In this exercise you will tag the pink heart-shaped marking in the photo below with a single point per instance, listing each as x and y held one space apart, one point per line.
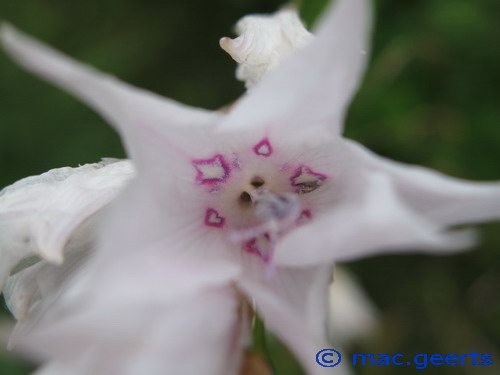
214 219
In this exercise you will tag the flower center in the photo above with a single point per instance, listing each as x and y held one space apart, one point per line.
254 196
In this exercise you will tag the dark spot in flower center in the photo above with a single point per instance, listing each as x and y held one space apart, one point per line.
245 198
257 182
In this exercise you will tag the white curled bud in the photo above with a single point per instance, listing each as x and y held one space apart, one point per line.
264 42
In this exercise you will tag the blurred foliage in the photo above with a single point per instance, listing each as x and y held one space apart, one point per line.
430 97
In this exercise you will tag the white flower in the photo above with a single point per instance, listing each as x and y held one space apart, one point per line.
252 205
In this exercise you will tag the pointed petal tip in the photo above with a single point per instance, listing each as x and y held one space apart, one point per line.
230 45
7 33
225 43
51 248
53 255
19 46
10 36
460 240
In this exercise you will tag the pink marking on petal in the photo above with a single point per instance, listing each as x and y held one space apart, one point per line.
252 247
214 219
306 180
304 217
236 164
212 171
263 148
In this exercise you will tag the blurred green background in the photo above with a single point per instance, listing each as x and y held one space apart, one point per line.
430 97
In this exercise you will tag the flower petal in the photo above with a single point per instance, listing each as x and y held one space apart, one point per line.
284 321
446 200
373 220
31 291
146 121
314 87
39 214
306 290
352 314
167 293
193 334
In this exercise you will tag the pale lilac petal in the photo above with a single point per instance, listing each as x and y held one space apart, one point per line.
374 220
31 291
137 223
145 262
39 214
147 122
170 298
287 324
282 320
314 87
444 199
81 366
306 291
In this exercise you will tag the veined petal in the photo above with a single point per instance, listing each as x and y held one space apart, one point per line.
39 214
373 220
31 291
147 122
166 290
314 87
444 199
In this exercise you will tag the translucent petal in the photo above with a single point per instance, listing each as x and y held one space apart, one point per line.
39 214
444 199
306 290
373 220
31 291
288 325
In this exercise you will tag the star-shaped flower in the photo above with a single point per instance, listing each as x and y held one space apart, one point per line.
250 205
